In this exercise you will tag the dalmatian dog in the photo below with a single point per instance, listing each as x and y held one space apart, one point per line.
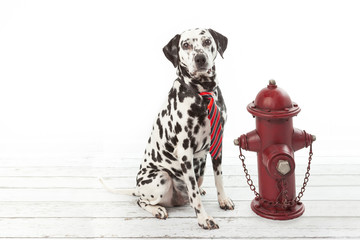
172 170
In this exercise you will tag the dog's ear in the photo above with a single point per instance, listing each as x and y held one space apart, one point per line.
171 50
221 41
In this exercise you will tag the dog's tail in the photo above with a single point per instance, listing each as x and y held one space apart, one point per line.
131 192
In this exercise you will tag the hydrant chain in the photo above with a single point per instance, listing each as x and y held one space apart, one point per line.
285 202
247 175
307 175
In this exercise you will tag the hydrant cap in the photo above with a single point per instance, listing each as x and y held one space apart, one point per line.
273 102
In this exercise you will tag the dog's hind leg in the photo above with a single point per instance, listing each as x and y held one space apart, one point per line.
156 192
156 210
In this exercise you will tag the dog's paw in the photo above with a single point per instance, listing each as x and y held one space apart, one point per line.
208 223
202 191
226 204
160 213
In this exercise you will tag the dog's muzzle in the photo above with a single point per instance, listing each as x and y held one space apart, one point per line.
200 61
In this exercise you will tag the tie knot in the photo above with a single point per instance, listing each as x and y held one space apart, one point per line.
207 94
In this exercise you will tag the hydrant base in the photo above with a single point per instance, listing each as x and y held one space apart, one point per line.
276 214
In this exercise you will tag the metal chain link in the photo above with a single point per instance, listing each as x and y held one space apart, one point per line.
285 202
307 176
247 175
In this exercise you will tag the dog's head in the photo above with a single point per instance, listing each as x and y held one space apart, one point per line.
196 50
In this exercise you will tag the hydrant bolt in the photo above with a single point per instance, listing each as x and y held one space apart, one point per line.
283 167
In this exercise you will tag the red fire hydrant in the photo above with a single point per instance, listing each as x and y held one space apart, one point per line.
275 141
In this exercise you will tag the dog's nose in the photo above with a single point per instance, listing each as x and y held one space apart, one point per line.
200 60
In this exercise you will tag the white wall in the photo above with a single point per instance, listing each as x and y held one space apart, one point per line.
78 77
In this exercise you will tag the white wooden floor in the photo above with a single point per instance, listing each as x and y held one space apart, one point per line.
60 197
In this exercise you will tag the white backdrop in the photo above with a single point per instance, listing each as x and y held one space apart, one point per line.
79 77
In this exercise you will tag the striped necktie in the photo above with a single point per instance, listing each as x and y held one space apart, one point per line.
215 123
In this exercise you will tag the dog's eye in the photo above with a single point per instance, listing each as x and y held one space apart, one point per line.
186 45
207 42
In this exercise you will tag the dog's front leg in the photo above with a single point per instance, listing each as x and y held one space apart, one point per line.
224 202
204 220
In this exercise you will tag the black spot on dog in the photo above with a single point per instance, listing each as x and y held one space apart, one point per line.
192 181
169 155
163 112
169 147
184 158
153 157
178 128
158 157
183 167
160 127
152 166
188 165
166 134
189 134
190 123
179 114
196 129
174 140
146 181
157 145
170 126
186 143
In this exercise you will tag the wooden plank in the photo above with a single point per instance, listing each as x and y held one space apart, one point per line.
346 193
128 182
179 228
101 160
58 171
131 209
162 238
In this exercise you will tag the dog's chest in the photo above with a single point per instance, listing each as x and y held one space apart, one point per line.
183 123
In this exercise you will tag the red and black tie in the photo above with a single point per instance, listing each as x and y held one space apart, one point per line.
215 123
